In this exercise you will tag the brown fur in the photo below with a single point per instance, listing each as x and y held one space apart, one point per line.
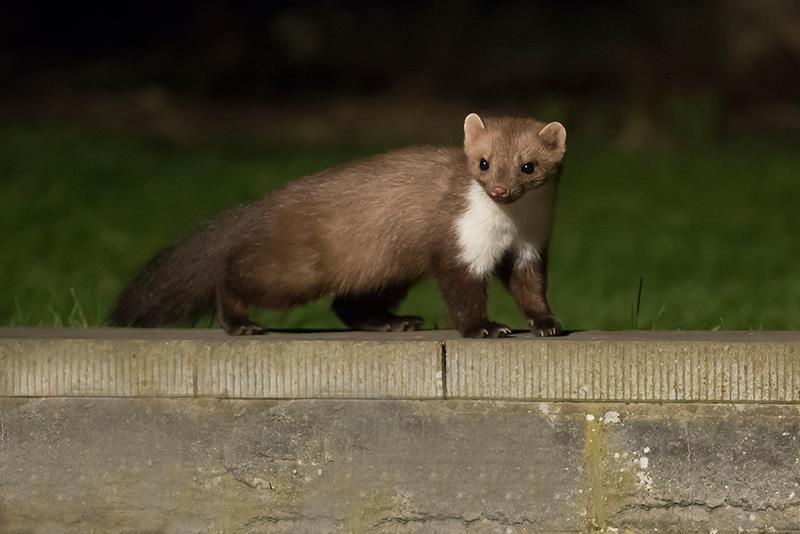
363 232
508 142
528 285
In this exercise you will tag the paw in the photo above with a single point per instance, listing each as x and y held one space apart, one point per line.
544 326
390 323
489 329
248 329
404 323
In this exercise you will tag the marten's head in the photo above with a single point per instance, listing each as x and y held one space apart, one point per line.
509 156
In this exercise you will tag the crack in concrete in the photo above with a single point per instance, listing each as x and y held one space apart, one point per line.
275 519
744 506
668 505
256 484
443 346
418 517
276 457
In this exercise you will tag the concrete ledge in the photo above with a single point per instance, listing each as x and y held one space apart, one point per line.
114 364
586 366
621 368
265 435
124 465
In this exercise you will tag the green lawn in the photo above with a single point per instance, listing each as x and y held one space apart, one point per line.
712 230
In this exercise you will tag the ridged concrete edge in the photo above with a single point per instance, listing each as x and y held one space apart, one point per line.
624 370
589 366
276 369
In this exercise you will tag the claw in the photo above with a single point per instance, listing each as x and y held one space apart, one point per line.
405 323
491 330
250 329
544 326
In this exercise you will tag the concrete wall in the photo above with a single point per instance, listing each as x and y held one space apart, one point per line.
132 431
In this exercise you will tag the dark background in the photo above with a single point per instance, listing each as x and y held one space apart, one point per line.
632 69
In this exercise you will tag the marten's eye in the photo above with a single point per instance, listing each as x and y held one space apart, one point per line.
527 168
483 164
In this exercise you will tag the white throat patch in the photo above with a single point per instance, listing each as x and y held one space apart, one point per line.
485 232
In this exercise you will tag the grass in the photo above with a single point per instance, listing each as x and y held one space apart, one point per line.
704 237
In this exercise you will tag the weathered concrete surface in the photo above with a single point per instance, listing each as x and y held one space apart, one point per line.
700 467
138 431
161 465
203 465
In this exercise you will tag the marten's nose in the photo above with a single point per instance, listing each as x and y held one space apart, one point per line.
498 191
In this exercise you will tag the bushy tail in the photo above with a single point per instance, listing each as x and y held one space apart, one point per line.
178 284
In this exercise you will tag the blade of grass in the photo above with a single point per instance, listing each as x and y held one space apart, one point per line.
636 308
658 316
76 315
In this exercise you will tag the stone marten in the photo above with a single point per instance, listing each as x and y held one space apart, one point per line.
366 231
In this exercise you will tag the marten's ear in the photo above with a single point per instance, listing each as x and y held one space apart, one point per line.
473 128
554 136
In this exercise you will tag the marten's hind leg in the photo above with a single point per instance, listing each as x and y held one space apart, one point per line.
232 314
372 311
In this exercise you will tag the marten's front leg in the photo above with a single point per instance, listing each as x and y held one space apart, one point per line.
526 278
465 296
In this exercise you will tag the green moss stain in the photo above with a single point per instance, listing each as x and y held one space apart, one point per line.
607 477
593 460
